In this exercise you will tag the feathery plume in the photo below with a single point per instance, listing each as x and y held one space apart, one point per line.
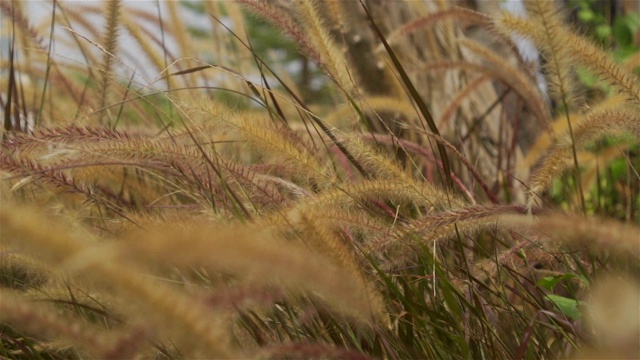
593 126
258 255
81 255
608 235
578 49
109 43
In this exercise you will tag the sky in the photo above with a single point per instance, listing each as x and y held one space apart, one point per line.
39 14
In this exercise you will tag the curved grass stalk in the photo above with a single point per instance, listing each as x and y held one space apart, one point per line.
190 323
606 234
580 50
592 126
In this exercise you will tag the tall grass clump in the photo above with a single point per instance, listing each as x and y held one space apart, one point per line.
342 179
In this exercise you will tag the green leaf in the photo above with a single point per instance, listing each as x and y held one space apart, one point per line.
623 31
586 15
586 76
549 282
619 168
603 32
566 306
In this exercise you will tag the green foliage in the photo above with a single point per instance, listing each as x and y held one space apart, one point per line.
619 33
620 30
566 306
550 282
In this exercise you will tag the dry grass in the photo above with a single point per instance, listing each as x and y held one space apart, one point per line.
422 202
